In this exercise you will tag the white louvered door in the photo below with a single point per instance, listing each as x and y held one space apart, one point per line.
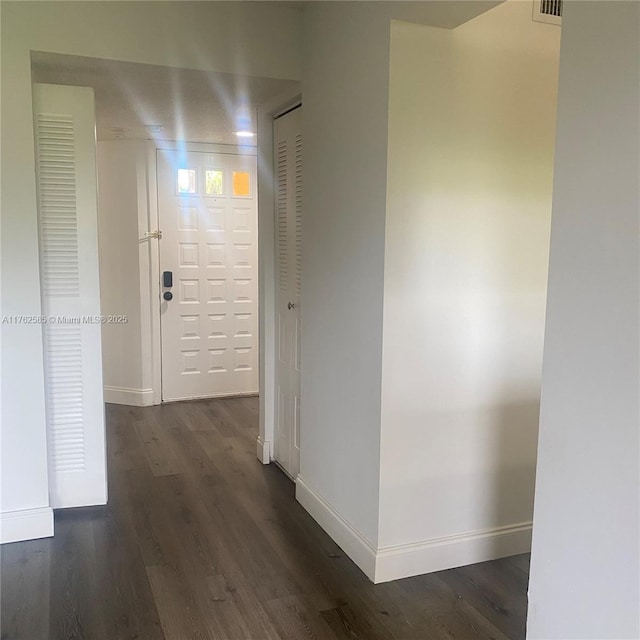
64 127
288 192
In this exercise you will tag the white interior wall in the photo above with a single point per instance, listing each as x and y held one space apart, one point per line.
585 565
471 135
23 451
344 89
345 123
250 38
119 166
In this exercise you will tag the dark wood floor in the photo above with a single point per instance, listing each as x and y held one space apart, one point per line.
200 541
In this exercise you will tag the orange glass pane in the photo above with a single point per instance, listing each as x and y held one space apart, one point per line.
241 183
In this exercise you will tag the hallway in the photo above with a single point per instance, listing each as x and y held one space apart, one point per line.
200 541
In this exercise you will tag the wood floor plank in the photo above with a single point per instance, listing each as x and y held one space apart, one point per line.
147 516
188 521
124 452
247 416
223 610
180 616
522 562
200 541
25 589
288 550
491 592
189 454
156 446
127 603
438 611
221 417
254 616
254 557
74 586
295 620
347 624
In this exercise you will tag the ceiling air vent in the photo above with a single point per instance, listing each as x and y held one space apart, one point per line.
549 11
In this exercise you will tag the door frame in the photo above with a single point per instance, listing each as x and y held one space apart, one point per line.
149 261
148 222
267 113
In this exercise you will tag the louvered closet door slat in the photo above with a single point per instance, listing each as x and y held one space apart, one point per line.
64 126
298 215
282 202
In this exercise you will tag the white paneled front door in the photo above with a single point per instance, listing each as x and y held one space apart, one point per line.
64 127
287 144
209 280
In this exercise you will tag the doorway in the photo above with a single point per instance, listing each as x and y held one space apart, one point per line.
141 108
214 271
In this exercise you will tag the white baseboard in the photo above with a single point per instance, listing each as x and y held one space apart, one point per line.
131 397
263 450
354 544
27 524
403 561
214 396
395 562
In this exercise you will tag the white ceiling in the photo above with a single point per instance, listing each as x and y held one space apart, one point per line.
201 106
190 105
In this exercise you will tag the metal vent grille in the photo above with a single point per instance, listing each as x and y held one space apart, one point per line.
551 8
549 11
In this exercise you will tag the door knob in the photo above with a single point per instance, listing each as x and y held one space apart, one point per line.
167 295
291 306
